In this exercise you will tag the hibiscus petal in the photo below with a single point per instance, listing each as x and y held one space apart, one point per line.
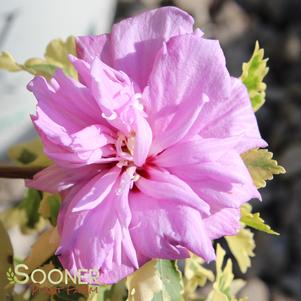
222 223
108 222
96 190
67 117
165 185
114 92
233 117
91 137
112 89
171 228
180 125
201 160
196 150
143 139
90 47
55 178
71 149
83 70
65 157
65 101
171 96
134 42
220 191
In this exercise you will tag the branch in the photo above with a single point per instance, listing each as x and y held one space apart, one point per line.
19 172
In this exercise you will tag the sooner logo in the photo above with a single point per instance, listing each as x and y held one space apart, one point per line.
20 275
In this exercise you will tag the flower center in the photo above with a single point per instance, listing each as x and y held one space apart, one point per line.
125 150
125 147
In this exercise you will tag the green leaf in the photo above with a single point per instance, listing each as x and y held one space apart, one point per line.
54 206
156 280
26 157
242 246
144 283
43 69
254 220
31 204
6 262
117 291
49 207
171 279
57 52
33 66
56 56
253 73
196 275
261 166
8 62
225 287
12 217
29 153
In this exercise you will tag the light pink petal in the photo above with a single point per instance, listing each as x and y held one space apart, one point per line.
222 223
179 126
90 47
66 101
56 179
67 117
65 157
92 137
99 238
96 190
230 198
196 150
208 170
162 185
201 160
171 97
219 191
213 169
233 116
75 148
83 69
143 139
164 229
134 42
112 89
66 209
114 92
48 128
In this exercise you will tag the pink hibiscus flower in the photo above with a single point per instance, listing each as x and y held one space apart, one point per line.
146 145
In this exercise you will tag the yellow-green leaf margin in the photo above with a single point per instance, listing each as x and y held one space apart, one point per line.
253 73
242 246
56 56
254 220
225 287
261 166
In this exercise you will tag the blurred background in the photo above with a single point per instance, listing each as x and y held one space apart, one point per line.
25 30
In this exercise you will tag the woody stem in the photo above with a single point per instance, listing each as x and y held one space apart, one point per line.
19 172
